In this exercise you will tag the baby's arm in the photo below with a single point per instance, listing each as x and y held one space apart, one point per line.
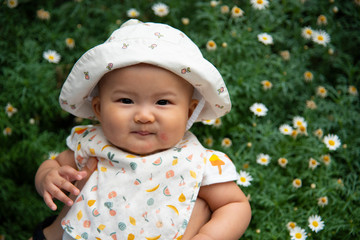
231 212
55 176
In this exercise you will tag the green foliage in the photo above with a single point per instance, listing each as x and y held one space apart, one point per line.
31 84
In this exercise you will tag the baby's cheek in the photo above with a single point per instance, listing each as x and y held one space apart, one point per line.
164 137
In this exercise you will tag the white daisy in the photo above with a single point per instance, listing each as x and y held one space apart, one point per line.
326 159
236 12
217 122
266 84
286 129
43 15
160 9
315 223
226 142
259 109
313 163
283 162
353 90
298 122
209 141
332 141
259 4
290 225
70 43
52 56
10 110
308 76
12 3
285 55
263 159
319 133
225 9
297 183
321 20
209 122
214 3
211 45
321 37
53 155
298 234
310 104
185 21
321 91
132 13
7 131
265 38
323 201
307 32
244 179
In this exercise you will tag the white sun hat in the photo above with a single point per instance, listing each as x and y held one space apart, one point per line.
152 43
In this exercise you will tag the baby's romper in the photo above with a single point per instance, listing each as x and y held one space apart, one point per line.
135 197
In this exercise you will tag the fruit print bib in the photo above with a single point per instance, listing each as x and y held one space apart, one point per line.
134 197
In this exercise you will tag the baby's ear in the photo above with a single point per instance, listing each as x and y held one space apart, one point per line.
95 103
192 106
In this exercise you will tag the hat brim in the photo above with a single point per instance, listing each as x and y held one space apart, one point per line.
189 65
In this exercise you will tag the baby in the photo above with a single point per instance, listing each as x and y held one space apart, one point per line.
146 85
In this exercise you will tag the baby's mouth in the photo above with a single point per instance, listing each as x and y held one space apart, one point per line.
143 133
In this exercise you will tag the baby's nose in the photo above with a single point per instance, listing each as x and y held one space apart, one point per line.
144 115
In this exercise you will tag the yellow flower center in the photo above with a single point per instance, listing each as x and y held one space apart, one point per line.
242 179
308 32
308 75
260 1
264 38
237 10
320 38
292 225
259 110
315 223
331 142
298 235
323 200
297 182
51 57
7 130
264 160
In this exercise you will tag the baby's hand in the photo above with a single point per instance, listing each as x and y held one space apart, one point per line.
57 180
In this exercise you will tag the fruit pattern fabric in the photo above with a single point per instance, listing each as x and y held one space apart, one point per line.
140 197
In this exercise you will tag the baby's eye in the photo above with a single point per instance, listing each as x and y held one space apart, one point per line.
163 102
125 101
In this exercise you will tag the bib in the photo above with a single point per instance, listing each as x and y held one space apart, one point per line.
134 197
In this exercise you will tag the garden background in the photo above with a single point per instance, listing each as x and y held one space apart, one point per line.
315 79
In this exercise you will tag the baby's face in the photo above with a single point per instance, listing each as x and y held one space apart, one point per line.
144 109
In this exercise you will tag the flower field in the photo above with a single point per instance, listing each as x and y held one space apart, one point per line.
292 68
